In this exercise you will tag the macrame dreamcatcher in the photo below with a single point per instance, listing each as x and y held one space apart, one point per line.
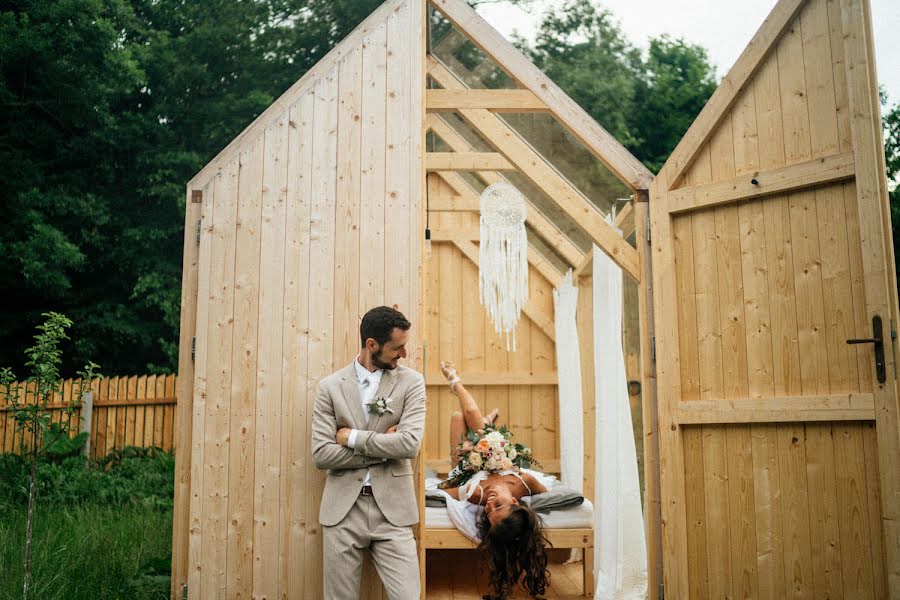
503 257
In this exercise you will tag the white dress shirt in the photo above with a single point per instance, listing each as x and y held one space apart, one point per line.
368 386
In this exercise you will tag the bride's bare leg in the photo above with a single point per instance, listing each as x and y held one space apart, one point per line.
457 431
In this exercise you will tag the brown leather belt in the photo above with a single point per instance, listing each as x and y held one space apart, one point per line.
366 490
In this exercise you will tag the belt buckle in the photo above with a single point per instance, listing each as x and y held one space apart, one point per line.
366 490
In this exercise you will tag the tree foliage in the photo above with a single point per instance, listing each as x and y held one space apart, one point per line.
647 103
891 126
109 106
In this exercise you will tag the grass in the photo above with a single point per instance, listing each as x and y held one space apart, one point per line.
89 551
102 531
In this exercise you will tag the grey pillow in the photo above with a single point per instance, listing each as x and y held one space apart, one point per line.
556 498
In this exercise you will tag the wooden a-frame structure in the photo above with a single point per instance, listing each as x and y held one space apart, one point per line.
766 416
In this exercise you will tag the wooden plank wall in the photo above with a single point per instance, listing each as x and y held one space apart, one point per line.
311 218
457 329
128 411
768 292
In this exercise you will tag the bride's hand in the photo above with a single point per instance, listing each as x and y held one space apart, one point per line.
448 370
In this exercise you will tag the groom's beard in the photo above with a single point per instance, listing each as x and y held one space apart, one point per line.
380 364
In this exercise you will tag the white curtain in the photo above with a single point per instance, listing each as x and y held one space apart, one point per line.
620 557
571 420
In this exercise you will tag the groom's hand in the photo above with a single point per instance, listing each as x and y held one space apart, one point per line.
342 436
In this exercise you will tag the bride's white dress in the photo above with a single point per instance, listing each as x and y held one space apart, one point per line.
464 514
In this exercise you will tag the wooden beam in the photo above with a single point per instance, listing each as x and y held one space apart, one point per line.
538 317
649 407
516 101
535 258
544 176
718 105
791 409
585 262
190 284
498 378
790 178
549 232
466 161
454 204
600 142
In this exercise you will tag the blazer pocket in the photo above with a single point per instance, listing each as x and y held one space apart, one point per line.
402 469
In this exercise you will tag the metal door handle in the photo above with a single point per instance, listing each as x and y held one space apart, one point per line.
877 340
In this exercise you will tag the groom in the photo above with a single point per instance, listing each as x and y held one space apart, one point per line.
367 426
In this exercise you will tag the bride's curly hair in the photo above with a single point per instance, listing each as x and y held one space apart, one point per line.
516 550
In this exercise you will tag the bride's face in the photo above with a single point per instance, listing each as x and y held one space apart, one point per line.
499 502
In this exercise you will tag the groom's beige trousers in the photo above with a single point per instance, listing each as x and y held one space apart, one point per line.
393 551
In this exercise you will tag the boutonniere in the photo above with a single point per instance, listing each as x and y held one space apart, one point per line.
379 406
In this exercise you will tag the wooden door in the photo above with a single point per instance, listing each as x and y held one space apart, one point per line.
771 249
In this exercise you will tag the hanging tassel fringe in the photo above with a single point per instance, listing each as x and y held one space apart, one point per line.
503 257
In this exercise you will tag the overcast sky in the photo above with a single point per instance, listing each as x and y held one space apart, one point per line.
722 27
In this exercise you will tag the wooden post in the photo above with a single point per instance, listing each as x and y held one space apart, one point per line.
184 406
648 399
87 414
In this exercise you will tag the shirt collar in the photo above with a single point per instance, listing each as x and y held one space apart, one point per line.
363 374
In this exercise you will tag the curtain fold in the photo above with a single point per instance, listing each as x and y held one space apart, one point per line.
620 557
571 420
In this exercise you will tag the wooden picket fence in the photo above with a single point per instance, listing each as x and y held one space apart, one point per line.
127 411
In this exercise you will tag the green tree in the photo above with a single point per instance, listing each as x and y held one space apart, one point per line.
891 132
111 106
582 49
43 360
646 103
675 81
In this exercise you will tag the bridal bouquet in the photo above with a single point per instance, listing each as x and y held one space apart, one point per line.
490 449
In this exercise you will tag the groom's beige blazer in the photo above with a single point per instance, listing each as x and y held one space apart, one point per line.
387 456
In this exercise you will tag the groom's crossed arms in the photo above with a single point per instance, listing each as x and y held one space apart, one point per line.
330 449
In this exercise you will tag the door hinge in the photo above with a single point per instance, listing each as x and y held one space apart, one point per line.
198 233
647 227
662 591
653 348
184 592
193 348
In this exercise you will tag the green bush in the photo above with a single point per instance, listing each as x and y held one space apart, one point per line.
144 476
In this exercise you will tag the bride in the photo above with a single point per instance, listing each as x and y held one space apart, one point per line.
510 532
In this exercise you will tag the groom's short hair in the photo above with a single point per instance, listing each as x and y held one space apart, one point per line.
380 322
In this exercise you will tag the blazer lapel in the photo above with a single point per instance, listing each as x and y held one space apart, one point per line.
350 389
388 380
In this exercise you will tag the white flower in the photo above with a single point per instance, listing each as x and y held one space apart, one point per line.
492 464
505 463
495 438
475 459
511 452
379 406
